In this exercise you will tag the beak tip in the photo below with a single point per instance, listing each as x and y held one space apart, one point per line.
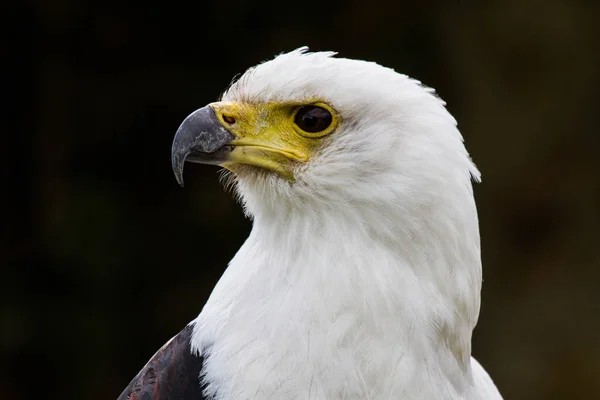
200 132
179 177
177 163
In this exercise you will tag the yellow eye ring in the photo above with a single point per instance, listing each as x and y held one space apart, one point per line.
314 120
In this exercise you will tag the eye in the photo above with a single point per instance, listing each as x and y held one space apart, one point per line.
313 119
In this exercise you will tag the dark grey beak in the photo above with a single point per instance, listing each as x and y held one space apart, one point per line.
200 138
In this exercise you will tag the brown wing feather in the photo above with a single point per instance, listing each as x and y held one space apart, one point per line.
172 374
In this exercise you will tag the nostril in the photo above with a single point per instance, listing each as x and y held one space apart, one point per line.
228 119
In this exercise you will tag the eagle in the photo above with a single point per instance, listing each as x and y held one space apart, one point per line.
361 277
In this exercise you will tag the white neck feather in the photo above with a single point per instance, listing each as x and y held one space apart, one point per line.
347 304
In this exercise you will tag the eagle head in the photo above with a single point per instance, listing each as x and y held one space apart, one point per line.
308 131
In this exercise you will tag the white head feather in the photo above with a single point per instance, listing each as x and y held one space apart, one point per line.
362 279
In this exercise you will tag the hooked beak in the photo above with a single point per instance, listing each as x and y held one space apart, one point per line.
201 138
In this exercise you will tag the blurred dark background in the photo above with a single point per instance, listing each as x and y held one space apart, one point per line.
105 257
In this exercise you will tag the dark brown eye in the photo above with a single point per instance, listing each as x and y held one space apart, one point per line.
313 119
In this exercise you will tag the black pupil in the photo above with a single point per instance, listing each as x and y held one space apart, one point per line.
313 119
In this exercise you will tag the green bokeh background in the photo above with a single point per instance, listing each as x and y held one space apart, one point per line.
104 257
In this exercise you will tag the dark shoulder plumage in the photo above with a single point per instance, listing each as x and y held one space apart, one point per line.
172 374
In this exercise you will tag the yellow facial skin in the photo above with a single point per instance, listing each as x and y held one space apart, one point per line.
266 135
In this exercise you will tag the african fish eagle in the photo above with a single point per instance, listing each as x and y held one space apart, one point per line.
361 277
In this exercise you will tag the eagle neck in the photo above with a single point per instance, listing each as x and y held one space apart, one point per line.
328 295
